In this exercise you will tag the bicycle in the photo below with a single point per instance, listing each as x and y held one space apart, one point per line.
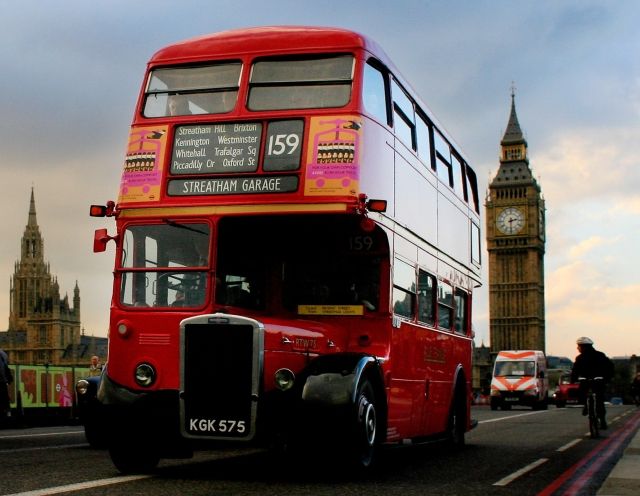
590 393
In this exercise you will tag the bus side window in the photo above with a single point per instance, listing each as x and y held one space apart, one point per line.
472 188
426 297
403 116
462 311
404 289
459 182
445 305
443 160
373 93
423 138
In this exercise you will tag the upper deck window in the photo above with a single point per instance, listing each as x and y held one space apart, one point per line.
210 89
374 93
312 82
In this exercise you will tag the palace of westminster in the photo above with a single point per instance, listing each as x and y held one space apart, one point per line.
46 328
43 327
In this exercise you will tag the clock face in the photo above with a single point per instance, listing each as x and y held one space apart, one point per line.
510 220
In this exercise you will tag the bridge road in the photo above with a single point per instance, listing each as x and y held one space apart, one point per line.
510 452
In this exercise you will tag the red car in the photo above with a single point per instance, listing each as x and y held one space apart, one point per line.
567 392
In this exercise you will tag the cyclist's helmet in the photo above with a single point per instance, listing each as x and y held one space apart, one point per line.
584 340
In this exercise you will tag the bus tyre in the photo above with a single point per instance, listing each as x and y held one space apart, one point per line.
133 458
95 435
365 436
457 420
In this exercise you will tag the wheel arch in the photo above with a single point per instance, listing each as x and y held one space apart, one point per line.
332 380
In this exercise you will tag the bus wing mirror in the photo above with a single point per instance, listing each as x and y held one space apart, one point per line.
100 240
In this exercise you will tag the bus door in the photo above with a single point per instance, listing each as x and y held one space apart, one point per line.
439 353
408 384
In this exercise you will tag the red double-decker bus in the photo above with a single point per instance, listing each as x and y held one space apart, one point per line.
297 241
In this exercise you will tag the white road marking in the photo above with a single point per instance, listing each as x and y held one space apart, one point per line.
510 417
42 448
510 478
45 434
569 445
82 485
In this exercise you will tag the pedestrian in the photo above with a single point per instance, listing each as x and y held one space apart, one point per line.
6 378
635 389
95 368
589 364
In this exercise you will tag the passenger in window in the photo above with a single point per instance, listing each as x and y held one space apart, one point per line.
178 105
425 308
179 301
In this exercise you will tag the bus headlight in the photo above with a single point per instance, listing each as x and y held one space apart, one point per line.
82 387
284 379
145 375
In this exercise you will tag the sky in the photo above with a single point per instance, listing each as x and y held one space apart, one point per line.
71 72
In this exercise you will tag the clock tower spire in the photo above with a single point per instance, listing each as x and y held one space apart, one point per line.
516 243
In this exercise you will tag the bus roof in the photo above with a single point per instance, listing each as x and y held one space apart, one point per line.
519 355
266 39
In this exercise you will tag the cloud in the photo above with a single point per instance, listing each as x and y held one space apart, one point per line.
587 245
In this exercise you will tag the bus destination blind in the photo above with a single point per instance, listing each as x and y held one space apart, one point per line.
216 148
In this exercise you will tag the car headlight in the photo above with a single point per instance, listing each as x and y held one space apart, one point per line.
145 375
82 386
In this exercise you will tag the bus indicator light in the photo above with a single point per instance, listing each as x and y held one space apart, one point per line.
377 205
98 211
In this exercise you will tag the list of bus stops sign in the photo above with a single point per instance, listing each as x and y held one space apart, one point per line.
216 148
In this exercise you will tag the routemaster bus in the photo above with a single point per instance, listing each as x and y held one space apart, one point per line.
297 239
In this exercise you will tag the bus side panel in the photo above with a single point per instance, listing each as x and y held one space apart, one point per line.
376 178
415 196
453 226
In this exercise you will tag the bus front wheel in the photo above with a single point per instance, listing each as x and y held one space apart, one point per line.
365 435
133 458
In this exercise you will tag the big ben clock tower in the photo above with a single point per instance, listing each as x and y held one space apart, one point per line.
515 240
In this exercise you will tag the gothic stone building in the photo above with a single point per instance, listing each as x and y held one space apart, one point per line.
515 213
43 327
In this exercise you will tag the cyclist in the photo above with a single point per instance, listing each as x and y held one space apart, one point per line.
591 363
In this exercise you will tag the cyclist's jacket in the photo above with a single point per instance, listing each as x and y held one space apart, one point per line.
592 363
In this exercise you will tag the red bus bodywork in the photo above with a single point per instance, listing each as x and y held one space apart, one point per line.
333 340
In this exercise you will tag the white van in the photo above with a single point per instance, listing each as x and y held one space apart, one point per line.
520 378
